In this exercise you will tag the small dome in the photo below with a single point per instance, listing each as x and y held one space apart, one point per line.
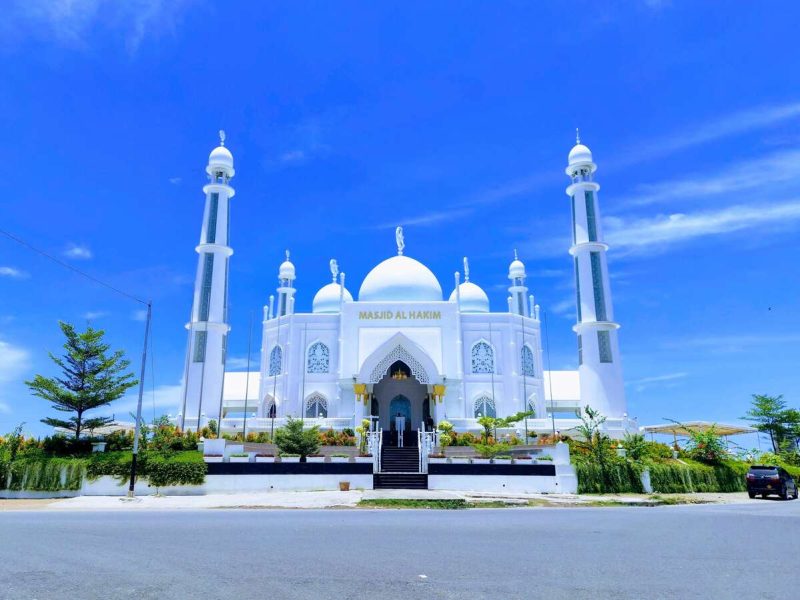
400 278
516 269
286 270
473 298
580 154
221 156
327 299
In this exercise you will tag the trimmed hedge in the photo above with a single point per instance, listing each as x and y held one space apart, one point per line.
615 478
42 474
57 474
665 477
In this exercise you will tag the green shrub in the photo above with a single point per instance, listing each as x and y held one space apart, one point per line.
676 478
42 474
611 478
181 468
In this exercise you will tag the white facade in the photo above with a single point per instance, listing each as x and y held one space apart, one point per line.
403 346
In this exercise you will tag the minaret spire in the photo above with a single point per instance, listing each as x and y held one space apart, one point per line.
466 269
208 327
598 348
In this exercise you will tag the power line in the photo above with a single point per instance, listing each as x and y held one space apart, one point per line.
22 242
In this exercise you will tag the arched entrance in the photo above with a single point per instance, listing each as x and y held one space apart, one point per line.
400 391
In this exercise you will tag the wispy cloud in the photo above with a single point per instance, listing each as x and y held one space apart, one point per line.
139 315
778 168
69 22
78 252
656 233
292 157
563 308
13 273
667 380
175 180
727 126
728 344
94 314
428 219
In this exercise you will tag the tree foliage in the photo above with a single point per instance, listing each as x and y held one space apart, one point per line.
92 377
294 439
768 413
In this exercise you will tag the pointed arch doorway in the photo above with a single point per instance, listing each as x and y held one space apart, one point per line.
399 391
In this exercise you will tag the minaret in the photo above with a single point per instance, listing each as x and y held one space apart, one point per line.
517 290
598 348
286 277
208 328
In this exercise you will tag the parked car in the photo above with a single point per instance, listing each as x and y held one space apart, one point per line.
766 480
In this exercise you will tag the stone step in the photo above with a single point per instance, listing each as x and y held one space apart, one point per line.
400 481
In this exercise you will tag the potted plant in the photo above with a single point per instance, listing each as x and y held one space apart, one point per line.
522 459
315 458
240 457
265 458
290 458
504 459
459 460
488 451
363 458
339 458
344 486
213 458
437 458
544 458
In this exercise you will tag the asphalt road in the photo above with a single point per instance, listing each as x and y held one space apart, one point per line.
720 551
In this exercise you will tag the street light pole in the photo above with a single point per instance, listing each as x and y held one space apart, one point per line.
138 426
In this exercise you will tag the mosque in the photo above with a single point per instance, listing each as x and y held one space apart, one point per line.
402 347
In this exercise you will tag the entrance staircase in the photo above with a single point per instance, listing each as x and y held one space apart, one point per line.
400 466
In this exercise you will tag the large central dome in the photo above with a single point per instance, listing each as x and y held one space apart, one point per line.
400 278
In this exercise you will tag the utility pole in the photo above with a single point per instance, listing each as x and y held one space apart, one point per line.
138 427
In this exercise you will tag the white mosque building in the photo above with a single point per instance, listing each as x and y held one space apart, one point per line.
403 346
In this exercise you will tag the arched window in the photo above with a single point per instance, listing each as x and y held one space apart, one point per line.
318 358
275 361
484 407
316 406
482 358
528 367
532 404
270 410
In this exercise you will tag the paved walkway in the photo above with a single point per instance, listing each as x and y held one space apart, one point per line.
333 499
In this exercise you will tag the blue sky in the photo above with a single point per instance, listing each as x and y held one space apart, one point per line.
453 119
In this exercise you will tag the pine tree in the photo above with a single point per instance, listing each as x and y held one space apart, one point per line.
91 378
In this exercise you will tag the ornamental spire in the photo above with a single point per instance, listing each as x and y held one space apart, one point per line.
398 236
516 256
287 255
221 137
466 269
334 269
577 136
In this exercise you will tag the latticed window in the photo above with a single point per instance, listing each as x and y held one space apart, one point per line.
205 291
484 407
318 358
200 340
604 346
275 361
482 358
316 407
578 287
591 221
528 367
597 285
213 208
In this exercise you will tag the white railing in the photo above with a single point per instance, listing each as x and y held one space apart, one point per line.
426 441
374 442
